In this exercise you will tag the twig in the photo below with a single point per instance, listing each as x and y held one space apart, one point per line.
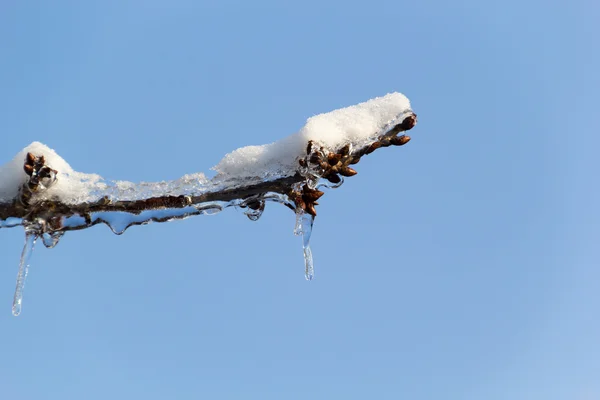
318 162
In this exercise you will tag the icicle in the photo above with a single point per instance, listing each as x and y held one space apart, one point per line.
304 223
298 226
307 223
31 235
312 181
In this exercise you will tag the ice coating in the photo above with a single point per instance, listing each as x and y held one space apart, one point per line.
356 125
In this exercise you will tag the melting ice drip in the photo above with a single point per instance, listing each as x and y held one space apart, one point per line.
357 126
304 223
31 236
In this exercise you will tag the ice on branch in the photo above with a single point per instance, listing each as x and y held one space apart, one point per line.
41 192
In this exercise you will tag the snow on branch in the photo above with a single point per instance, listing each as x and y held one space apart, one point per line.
41 192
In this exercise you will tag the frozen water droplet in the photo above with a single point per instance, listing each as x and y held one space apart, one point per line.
117 221
304 223
254 214
212 210
50 239
312 181
329 185
47 177
209 209
30 238
11 222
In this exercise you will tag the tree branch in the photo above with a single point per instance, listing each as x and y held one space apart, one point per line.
318 163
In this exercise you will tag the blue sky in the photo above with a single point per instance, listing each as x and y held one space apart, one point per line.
461 266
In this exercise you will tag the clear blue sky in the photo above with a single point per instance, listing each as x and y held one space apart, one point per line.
465 265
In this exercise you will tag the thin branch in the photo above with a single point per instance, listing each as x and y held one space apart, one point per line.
317 162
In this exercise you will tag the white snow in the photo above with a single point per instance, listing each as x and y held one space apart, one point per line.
356 125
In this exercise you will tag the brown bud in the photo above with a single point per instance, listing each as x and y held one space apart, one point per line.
310 209
400 140
345 150
312 196
333 158
373 147
28 169
354 160
302 162
314 158
409 122
29 159
385 142
309 147
317 194
333 178
347 171
42 160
